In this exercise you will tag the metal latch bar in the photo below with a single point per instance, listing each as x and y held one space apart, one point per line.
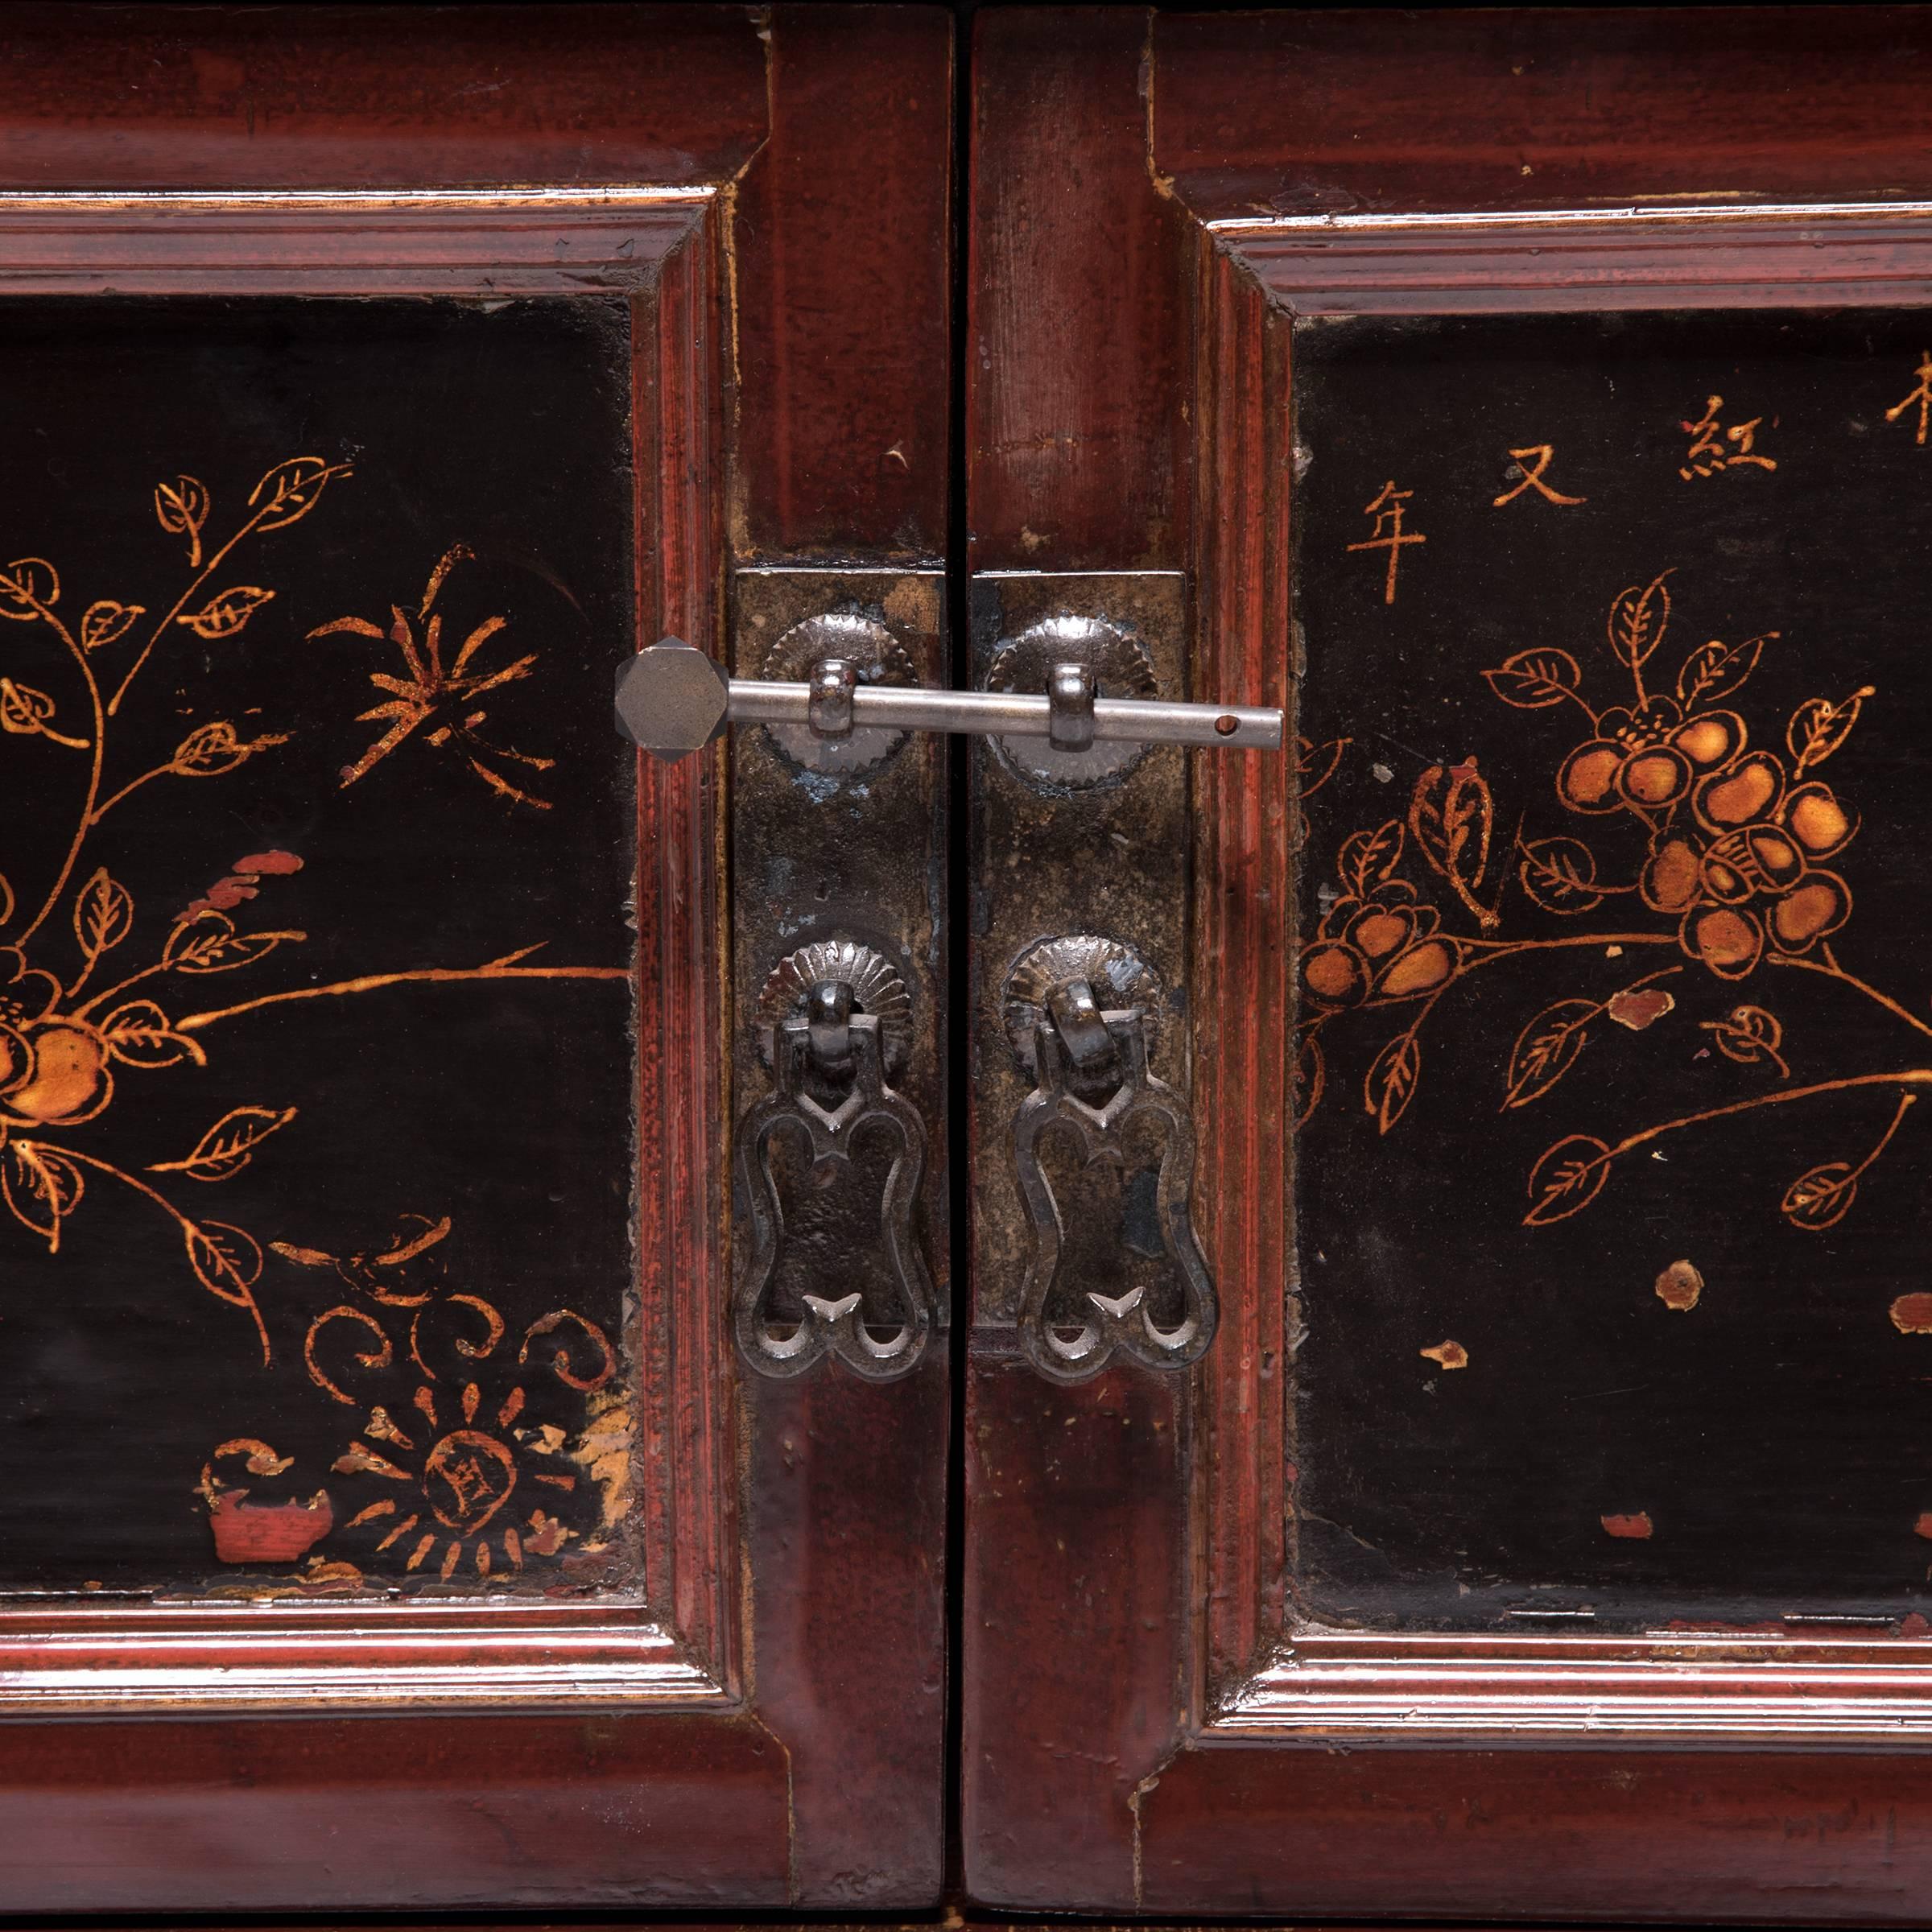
1000 714
671 700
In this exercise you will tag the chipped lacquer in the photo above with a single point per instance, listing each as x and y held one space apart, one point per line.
382 1474
1612 908
1543 1534
132 712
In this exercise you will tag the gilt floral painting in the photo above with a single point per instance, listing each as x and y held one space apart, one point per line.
1614 968
315 990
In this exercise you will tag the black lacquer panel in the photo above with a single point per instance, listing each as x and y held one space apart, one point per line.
1616 991
316 1070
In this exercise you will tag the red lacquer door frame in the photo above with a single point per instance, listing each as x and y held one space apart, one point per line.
1142 1729
769 189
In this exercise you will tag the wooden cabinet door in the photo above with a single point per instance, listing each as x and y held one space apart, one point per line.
1537 402
390 1523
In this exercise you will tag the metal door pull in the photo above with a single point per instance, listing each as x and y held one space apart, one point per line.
1091 1082
673 700
835 1021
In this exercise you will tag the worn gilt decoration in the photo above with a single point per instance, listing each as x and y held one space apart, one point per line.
1613 1013
392 1408
1735 842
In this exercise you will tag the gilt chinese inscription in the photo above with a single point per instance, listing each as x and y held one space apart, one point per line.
313 951
1614 1006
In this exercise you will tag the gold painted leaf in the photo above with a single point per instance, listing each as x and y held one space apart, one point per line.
1717 669
1545 1050
1822 1198
359 627
1367 856
209 750
1315 764
1451 816
42 1187
230 1144
1818 727
1392 1080
291 490
1533 680
1310 1077
1747 1034
1638 619
141 1034
1566 1179
182 507
1559 875
106 621
23 710
104 914
223 617
208 943
226 1260
28 585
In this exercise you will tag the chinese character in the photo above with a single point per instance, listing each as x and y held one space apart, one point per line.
1922 396
1532 474
1389 535
1707 454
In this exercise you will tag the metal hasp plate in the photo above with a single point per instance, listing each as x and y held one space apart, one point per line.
1079 1250
839 987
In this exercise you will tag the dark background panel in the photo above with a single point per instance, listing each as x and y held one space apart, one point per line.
504 1106
1774 1433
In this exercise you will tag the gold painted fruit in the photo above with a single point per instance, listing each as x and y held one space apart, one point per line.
69 1080
1672 877
1333 972
1587 782
1821 904
1377 933
1656 777
1727 942
1711 739
1421 969
1759 859
1816 819
1741 796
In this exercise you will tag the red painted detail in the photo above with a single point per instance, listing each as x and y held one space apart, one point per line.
268 1533
1637 1526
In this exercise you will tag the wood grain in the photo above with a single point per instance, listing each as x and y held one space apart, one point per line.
1701 1839
1243 987
778 1737
1072 1674
146 98
1073 1600
843 235
391 1812
690 1416
842 453
1240 1802
1339 112
1074 318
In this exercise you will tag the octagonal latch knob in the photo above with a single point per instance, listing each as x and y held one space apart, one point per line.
672 699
